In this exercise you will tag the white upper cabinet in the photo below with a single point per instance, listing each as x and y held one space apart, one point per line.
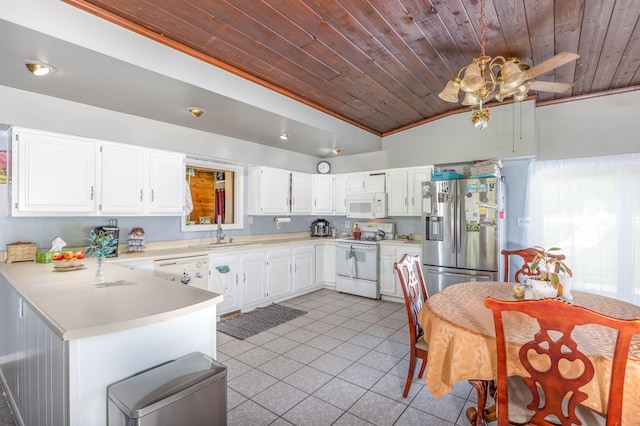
323 190
301 197
56 174
62 175
122 179
404 188
397 203
268 191
166 173
376 182
141 181
356 182
417 176
341 190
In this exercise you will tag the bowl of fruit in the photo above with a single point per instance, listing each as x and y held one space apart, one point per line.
67 261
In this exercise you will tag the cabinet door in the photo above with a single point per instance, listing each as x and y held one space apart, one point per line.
416 178
166 171
387 272
55 174
341 189
273 190
253 282
323 199
301 193
279 272
356 182
397 192
122 186
225 279
303 267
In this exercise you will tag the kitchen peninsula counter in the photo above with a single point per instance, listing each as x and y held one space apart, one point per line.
73 306
65 339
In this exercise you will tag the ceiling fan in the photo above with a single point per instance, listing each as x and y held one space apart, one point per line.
487 78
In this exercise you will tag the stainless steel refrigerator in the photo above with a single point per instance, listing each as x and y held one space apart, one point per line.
463 231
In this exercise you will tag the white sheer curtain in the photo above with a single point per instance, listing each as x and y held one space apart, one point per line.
590 207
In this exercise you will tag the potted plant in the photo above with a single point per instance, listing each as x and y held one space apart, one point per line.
101 245
480 117
550 268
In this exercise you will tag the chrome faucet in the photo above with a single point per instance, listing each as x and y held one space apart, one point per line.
219 234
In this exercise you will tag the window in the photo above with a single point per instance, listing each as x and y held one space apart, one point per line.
215 191
590 207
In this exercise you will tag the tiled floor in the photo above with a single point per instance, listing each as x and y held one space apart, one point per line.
343 363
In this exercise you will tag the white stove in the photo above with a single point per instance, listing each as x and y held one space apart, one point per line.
357 260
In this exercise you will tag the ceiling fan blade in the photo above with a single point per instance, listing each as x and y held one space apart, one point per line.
552 63
550 86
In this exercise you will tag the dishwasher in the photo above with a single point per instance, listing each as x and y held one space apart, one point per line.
193 271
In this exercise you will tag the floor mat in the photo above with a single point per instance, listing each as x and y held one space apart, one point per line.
260 319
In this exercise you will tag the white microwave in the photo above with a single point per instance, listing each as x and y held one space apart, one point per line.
367 205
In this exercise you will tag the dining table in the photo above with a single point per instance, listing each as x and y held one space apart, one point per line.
462 346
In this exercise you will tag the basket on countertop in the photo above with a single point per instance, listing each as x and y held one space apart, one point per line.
21 252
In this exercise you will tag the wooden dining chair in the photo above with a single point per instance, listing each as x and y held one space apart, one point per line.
415 295
554 345
528 255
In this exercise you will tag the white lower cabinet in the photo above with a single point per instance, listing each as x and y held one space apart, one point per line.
303 268
326 265
390 254
225 279
279 273
253 282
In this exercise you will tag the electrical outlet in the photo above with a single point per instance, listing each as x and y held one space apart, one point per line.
250 220
278 225
523 222
346 224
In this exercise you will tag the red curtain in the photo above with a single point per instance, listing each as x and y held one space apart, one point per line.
219 205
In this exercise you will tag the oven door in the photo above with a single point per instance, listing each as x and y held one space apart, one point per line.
366 256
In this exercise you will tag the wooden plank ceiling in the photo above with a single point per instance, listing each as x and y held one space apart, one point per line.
380 64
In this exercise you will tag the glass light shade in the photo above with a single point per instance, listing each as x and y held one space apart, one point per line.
473 80
520 96
451 90
512 75
471 99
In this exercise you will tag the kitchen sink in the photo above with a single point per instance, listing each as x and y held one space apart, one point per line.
225 245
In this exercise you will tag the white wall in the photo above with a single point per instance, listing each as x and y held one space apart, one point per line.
32 110
598 126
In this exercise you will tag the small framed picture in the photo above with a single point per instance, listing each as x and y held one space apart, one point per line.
205 220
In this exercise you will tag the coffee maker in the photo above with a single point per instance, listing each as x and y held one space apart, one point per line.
320 228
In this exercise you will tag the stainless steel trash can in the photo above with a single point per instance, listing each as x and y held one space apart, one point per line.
191 390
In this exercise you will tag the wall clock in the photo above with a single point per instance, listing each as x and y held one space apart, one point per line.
324 167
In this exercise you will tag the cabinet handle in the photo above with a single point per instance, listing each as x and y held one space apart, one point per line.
153 195
405 201
92 192
244 278
236 279
141 195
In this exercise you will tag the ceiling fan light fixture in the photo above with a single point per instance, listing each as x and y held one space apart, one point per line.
451 91
196 111
39 69
520 96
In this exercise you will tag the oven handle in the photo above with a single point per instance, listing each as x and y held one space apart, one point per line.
359 246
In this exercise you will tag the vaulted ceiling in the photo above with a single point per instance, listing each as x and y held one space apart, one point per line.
380 64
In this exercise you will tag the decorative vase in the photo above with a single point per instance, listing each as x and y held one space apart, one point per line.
480 124
542 289
99 269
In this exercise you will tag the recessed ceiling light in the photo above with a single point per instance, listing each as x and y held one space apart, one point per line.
284 136
196 111
39 68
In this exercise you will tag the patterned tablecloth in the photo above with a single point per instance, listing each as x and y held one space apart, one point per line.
461 336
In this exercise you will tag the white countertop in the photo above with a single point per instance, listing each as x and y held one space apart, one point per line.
74 307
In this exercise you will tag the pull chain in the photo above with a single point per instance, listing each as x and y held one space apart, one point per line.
482 26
